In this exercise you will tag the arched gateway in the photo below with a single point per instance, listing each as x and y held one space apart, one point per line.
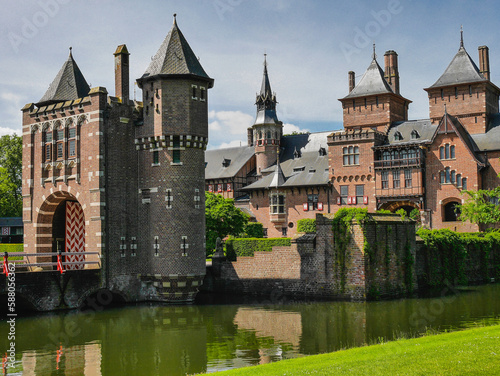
60 226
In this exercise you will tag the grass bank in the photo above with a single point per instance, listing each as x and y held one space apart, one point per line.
468 352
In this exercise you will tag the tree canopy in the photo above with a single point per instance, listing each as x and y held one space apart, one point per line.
481 206
11 155
222 219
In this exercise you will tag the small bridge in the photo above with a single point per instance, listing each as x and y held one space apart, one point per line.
48 281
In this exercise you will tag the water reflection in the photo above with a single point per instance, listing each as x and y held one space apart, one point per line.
179 340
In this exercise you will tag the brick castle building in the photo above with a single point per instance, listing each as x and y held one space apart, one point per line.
122 178
380 160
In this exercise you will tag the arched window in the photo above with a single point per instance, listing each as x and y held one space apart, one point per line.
447 151
452 177
441 152
452 151
268 135
459 180
414 134
447 172
451 212
398 136
47 142
60 142
72 141
464 183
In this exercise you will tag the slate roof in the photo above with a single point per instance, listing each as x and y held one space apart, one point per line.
309 169
372 83
266 102
461 70
11 222
69 84
237 156
424 128
491 139
175 57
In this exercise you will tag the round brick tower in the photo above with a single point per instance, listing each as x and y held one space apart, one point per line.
267 129
171 145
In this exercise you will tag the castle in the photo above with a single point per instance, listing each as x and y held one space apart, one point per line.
121 178
125 179
380 160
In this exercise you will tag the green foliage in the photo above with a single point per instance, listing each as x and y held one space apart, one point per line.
383 211
449 253
402 213
254 230
415 215
307 225
480 207
342 234
11 156
9 247
222 219
248 246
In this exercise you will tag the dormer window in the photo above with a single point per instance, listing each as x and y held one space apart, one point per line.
414 135
322 152
398 136
226 162
296 154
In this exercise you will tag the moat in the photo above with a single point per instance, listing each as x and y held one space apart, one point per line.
208 337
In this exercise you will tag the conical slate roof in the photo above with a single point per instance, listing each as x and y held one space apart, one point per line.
175 57
461 70
266 102
371 83
278 177
69 84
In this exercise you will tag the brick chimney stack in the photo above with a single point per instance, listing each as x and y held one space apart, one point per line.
352 81
122 73
484 61
391 73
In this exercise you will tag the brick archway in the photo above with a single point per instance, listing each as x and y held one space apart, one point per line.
396 205
72 225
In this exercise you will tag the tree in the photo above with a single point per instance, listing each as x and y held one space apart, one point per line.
222 219
481 206
11 156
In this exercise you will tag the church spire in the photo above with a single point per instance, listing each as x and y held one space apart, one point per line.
461 37
266 100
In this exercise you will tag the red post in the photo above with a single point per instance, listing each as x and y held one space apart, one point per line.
59 263
6 264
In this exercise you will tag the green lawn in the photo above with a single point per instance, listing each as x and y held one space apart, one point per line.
469 352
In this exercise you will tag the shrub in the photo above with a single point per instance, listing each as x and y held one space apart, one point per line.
238 247
307 225
254 230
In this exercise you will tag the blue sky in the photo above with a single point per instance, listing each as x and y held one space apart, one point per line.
310 46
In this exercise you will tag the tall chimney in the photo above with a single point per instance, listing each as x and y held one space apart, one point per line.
391 73
122 73
352 81
484 61
250 136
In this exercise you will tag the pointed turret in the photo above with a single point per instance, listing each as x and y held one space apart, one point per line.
69 84
372 102
266 101
267 129
175 58
278 176
467 91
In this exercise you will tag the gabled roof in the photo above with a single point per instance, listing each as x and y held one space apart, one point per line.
452 124
175 57
237 156
424 128
69 84
310 169
461 70
278 178
372 83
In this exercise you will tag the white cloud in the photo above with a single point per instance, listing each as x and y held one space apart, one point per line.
231 144
234 122
7 131
290 128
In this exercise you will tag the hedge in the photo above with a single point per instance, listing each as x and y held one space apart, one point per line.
450 254
248 246
307 225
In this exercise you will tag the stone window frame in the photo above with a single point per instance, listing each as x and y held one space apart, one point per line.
447 152
203 94
344 194
197 198
277 203
350 155
168 198
193 92
312 201
359 190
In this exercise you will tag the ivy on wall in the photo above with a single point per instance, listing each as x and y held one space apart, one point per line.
239 247
449 254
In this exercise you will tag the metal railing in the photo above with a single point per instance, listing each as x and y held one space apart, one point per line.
24 262
391 163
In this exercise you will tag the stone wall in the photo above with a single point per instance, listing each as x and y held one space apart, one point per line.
312 267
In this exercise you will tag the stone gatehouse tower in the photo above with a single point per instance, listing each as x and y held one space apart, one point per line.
122 178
